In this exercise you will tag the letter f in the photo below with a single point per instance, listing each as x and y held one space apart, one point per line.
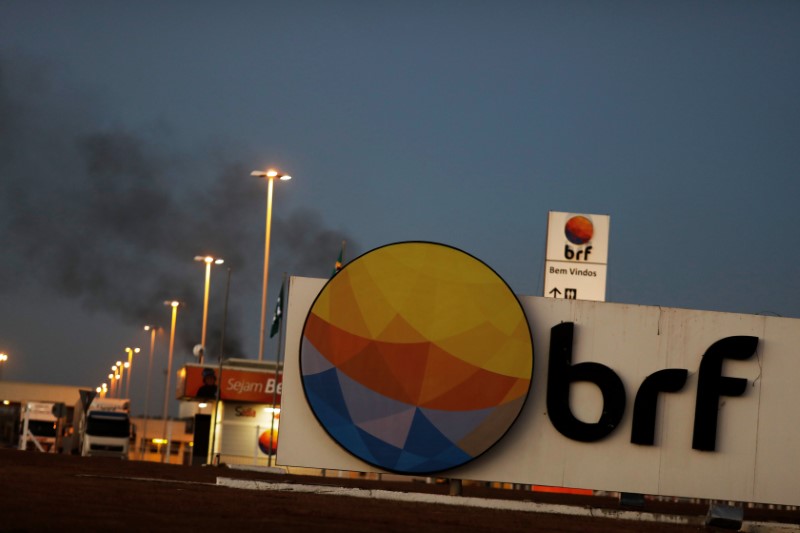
712 384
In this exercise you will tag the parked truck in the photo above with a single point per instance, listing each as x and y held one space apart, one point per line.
38 427
103 427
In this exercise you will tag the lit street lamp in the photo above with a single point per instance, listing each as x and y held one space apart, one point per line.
129 366
120 376
3 359
208 260
152 330
270 176
174 304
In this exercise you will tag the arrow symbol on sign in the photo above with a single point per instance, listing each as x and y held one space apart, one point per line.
555 292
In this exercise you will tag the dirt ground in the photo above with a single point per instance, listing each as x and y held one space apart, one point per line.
43 492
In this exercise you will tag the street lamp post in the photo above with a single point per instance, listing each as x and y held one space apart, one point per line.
270 176
120 377
208 260
129 366
112 378
152 330
3 359
117 369
174 304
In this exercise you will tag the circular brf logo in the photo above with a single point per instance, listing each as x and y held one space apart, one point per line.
579 229
416 358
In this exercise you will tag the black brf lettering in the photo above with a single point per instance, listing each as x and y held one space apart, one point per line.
569 253
712 384
560 376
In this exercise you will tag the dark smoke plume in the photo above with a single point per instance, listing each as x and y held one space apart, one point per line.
104 215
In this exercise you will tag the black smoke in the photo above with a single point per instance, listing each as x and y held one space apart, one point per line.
108 216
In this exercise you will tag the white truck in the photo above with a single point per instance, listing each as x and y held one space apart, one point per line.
38 427
104 427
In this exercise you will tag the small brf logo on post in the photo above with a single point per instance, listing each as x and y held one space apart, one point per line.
579 230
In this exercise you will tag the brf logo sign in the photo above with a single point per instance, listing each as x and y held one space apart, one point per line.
416 358
578 231
577 256
622 397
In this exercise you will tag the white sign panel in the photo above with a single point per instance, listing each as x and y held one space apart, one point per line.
751 425
577 256
575 282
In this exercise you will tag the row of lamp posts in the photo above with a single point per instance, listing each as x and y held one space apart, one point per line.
118 370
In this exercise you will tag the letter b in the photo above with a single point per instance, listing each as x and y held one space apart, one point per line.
569 253
560 376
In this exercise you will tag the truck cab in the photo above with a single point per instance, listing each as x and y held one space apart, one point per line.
105 428
38 427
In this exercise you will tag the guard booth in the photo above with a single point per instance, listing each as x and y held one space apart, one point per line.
243 425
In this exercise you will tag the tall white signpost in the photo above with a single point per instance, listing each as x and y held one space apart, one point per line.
577 256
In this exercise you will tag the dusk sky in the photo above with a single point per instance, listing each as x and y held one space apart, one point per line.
128 131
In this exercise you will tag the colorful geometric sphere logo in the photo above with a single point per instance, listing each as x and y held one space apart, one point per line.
416 358
268 442
579 230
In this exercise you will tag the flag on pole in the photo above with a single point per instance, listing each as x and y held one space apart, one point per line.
276 318
338 266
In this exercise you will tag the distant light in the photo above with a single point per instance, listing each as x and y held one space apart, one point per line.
147 328
99 390
119 364
202 405
137 350
160 441
6 402
127 364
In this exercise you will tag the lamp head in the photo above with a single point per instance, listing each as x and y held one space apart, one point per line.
270 173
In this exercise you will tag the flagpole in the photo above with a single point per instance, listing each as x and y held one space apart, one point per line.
272 439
